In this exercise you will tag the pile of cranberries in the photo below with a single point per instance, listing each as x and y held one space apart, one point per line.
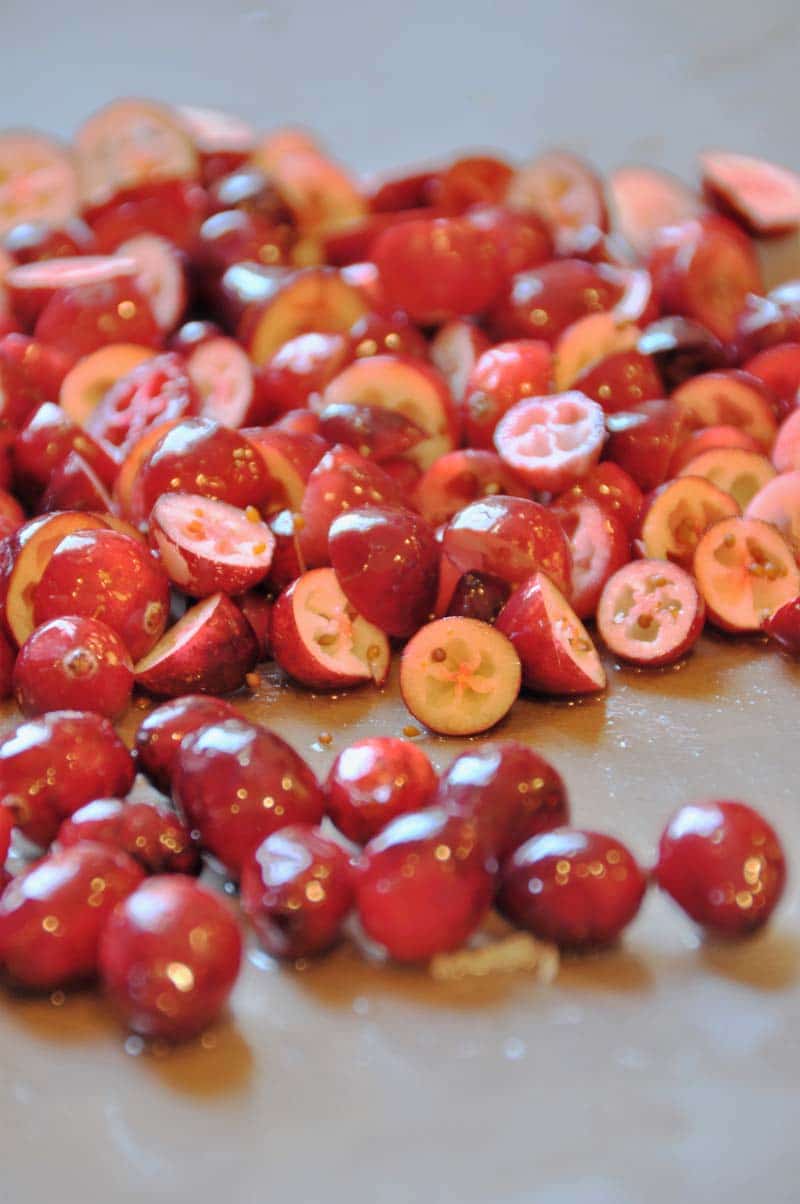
482 415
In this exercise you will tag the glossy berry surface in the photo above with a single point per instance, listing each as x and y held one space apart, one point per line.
374 780
575 888
169 957
297 889
723 864
154 837
73 662
159 735
79 320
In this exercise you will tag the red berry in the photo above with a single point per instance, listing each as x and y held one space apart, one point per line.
424 885
169 957
575 888
542 303
73 662
504 375
158 739
30 374
79 320
373 781
723 864
297 890
156 838
158 390
52 915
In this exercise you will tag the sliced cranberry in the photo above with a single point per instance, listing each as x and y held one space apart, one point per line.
238 236
551 442
79 320
257 609
708 438
424 885
159 736
784 626
409 191
612 488
522 240
6 828
455 349
460 477
643 441
156 391
745 571
645 201
599 545
621 380
723 864
739 473
650 613
786 449
501 377
207 546
153 836
733 398
507 790
478 596
387 334
472 180
763 196
53 914
561 188
288 562
210 650
779 369
543 302
777 505
678 514
45 443
250 189
30 242
575 888
173 209
73 663
769 321
169 957
297 890
374 780
341 480
316 299
680 348
289 456
237 783
375 433
75 486
588 342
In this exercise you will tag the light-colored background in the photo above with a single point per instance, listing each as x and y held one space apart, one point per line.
665 1071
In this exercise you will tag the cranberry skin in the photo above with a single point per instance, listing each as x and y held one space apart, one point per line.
784 626
80 320
542 303
522 239
374 432
8 657
32 242
52 915
158 739
643 440
113 578
174 209
424 885
30 374
300 370
237 783
613 489
723 864
479 596
157 839
46 442
297 890
387 562
198 455
437 268
158 390
681 348
508 791
373 781
249 189
341 481
76 754
70 663
460 477
503 375
575 888
169 957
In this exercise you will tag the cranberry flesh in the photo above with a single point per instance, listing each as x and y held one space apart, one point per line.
373 781
158 739
237 783
723 864
156 838
424 885
575 888
52 915
508 790
73 662
169 957
297 890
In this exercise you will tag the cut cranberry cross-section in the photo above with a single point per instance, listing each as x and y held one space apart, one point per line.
650 613
551 442
206 545
745 571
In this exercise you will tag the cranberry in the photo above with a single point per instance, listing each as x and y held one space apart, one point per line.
52 765
30 374
300 370
681 348
297 890
522 240
52 915
643 441
460 477
374 432
621 380
373 781
236 236
158 739
723 864
156 391
6 827
79 320
424 885
73 662
387 334
469 181
45 443
542 303
508 790
479 596
30 242
575 888
252 191
156 838
7 659
503 376
169 957
172 208
610 487
103 574
237 783
341 480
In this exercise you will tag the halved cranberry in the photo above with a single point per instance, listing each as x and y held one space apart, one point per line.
707 438
297 890
643 441
599 544
478 596
374 780
46 441
471 180
733 398
769 321
288 562
680 348
645 201
289 458
745 571
561 188
79 320
156 391
588 342
52 915
551 442
784 626
723 864
30 242
41 778
454 350
206 545
316 299
173 209
612 488
543 302
763 196
8 657
779 369
650 613
504 375
169 957
237 782
678 514
74 485
522 240
575 888
210 650
736 471
373 432
159 735
299 370
73 662
341 480
153 836
387 334
777 505
507 790
31 373
460 477
238 236
423 885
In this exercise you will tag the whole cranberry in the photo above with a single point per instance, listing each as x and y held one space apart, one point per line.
237 782
723 864
575 888
73 662
52 914
31 373
158 739
103 574
424 885
156 838
80 320
169 957
373 781
52 765
507 790
297 890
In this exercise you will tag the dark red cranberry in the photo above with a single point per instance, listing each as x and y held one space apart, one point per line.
373 781
169 957
297 890
643 440
156 838
723 864
73 662
8 657
575 888
341 481
681 348
236 236
373 431
424 885
237 783
507 790
160 733
52 915
52 765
